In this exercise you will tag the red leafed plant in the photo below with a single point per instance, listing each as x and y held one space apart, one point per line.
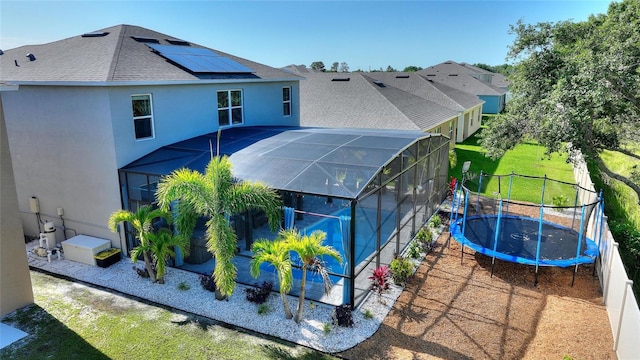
380 280
452 185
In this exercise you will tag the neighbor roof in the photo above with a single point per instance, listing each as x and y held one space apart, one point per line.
357 100
497 79
457 76
304 160
113 55
420 86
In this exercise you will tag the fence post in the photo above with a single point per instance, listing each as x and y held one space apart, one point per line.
605 293
627 285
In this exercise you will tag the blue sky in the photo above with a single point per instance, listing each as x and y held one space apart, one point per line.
364 34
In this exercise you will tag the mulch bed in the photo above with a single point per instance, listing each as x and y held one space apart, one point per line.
454 310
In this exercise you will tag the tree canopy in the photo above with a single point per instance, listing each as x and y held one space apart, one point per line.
573 82
317 65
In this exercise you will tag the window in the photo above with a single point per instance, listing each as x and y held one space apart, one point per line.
229 107
286 101
142 116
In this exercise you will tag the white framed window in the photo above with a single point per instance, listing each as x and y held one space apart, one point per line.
142 107
230 107
286 101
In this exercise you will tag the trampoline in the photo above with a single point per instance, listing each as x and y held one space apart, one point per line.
561 233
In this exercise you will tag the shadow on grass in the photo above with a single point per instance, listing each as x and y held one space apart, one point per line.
275 352
48 338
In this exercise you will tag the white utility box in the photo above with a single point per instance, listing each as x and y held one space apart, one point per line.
82 248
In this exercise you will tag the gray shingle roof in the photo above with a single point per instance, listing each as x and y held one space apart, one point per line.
457 76
361 103
116 57
497 79
438 93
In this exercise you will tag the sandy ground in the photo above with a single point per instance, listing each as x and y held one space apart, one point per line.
454 310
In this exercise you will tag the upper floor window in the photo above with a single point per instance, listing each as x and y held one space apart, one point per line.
286 101
142 116
229 107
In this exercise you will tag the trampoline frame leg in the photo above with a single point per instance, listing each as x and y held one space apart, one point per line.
493 263
535 281
462 254
573 279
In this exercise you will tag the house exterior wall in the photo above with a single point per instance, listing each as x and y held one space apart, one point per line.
63 153
15 281
181 112
494 104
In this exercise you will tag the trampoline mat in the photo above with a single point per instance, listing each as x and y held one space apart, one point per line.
518 240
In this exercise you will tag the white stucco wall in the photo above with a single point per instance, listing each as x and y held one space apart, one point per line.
184 111
63 153
15 281
67 143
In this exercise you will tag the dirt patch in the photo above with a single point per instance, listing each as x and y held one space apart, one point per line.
454 309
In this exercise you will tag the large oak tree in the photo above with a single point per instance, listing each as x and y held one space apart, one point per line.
573 82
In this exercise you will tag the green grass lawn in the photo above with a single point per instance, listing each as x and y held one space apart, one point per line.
618 162
525 159
72 321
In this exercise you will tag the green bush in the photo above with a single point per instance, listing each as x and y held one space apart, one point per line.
435 221
424 235
415 249
401 270
560 200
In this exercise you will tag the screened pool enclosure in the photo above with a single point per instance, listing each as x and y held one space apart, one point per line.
369 190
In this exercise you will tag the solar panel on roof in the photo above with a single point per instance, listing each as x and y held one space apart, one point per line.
199 60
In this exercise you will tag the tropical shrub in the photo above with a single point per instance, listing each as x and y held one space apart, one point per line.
415 250
207 282
343 315
435 221
380 280
401 270
260 293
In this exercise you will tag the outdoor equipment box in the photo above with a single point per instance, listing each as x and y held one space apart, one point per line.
108 257
82 248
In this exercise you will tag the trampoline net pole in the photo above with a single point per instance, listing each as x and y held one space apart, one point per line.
544 184
464 220
580 234
495 238
509 193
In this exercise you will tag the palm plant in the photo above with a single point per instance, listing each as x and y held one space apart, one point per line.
161 247
309 248
276 253
142 223
216 195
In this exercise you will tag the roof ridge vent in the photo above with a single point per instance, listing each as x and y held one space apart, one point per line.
453 74
341 79
95 34
178 42
145 39
402 76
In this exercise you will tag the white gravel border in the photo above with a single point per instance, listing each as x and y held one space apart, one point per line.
236 310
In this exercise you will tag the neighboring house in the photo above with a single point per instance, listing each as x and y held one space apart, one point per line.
386 100
91 104
465 79
495 79
15 282
358 100
468 107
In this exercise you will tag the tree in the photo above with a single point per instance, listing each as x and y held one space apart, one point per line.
161 246
575 83
275 253
317 65
412 68
215 195
142 223
309 248
391 69
344 67
334 67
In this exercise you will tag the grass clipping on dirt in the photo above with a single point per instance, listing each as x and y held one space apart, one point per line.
454 310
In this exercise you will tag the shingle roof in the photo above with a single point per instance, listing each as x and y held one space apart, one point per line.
115 57
497 79
330 100
420 86
457 76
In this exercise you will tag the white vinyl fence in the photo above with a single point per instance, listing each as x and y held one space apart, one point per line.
622 306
